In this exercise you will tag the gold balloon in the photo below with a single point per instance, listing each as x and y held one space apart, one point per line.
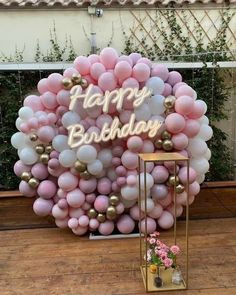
172 180
33 137
114 200
76 78
169 102
67 83
85 175
33 182
92 213
26 176
165 135
111 212
158 143
44 158
169 111
80 167
39 149
167 145
84 83
179 189
48 149
101 217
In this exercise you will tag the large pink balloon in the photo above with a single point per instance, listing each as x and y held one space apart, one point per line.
75 198
39 171
160 71
34 102
67 181
174 78
26 190
151 225
108 57
125 224
96 70
191 128
43 86
166 220
49 100
123 70
141 72
180 141
184 105
82 65
199 109
106 228
107 81
42 207
54 82
46 189
175 123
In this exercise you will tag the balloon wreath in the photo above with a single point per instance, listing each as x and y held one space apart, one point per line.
79 139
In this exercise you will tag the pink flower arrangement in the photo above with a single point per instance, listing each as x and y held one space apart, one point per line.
159 253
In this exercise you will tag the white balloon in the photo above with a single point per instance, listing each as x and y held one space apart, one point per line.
203 120
205 132
128 204
149 181
25 113
200 178
201 165
86 153
156 104
207 155
67 158
105 156
95 168
142 113
19 140
196 147
19 121
149 203
60 143
129 193
156 85
28 156
70 118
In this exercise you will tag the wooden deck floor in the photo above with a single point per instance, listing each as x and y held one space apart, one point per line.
49 261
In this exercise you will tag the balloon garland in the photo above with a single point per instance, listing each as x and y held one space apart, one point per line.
79 139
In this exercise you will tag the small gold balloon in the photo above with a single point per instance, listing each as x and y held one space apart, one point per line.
92 213
26 176
76 78
179 189
111 213
173 180
67 83
114 200
48 149
101 217
158 143
33 137
84 83
80 167
167 145
169 102
39 149
44 158
165 135
33 182
85 175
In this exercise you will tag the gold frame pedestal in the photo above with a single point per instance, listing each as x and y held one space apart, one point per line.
148 277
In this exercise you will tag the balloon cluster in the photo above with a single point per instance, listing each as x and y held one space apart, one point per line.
95 186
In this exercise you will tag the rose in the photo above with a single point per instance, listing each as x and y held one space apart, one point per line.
175 249
168 262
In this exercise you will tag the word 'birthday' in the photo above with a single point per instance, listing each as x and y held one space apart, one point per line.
116 97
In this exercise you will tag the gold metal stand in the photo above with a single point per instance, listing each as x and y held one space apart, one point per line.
148 277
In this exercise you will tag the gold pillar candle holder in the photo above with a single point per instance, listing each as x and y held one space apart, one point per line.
166 274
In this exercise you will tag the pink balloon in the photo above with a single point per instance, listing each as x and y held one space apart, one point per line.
116 161
84 220
73 223
123 70
131 180
76 212
159 191
104 186
93 58
39 171
184 90
184 105
62 203
33 123
107 81
75 198
160 174
183 175
160 71
194 188
46 134
93 224
88 186
167 90
53 163
42 207
166 220
135 57
69 72
130 83
156 211
166 201
26 190
198 110
180 141
46 189
148 146
106 228
177 85
120 208
90 198
20 167
121 181
125 58
145 60
175 123
125 224
67 181
151 225
179 209
102 119
191 128
129 160
141 72
80 231
174 78
63 98
135 144
82 65
135 212
34 102
43 86
49 100
101 203
54 82
108 57
96 70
